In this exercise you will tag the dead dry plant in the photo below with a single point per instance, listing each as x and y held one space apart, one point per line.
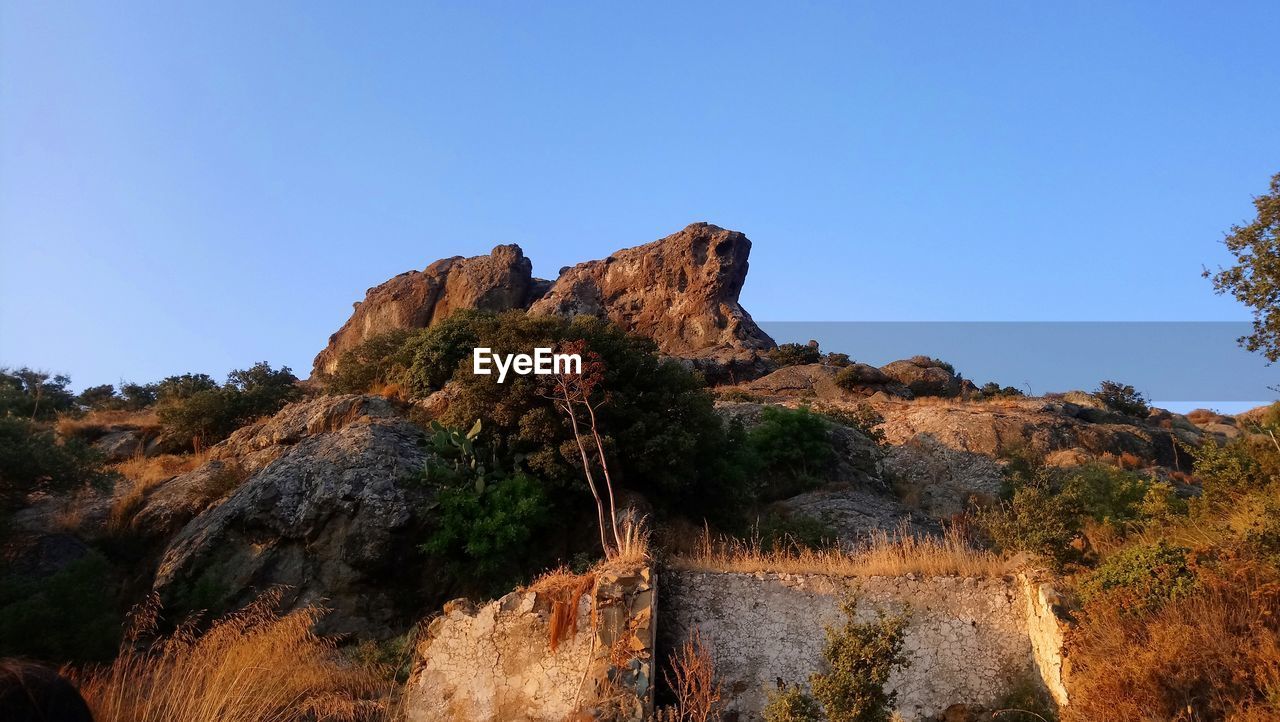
692 678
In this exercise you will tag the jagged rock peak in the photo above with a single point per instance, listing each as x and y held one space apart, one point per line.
500 281
681 291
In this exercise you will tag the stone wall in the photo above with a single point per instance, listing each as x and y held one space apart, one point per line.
968 639
495 662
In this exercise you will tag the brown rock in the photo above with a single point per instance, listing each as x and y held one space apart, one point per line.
818 381
924 376
500 281
681 291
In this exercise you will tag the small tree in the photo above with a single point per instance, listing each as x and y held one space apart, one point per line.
1122 398
572 393
1254 280
796 354
859 657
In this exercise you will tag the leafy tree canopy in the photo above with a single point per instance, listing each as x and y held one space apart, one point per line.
1254 279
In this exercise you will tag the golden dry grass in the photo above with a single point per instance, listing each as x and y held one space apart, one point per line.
1214 655
144 474
883 554
252 666
95 423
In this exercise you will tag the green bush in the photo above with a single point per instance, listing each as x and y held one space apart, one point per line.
839 360
792 448
32 459
69 616
381 360
795 354
777 531
1228 469
1122 398
791 704
130 397
194 409
862 417
32 394
1141 579
993 390
1050 507
488 510
851 378
859 657
660 430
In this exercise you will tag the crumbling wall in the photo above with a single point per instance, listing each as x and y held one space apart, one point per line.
1045 631
495 662
967 639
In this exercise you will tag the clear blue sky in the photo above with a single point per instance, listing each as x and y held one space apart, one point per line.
198 186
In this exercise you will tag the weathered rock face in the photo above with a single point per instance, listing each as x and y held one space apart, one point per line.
495 663
325 510
940 480
500 281
681 291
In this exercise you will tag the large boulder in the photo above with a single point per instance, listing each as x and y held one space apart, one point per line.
924 376
500 281
325 510
681 291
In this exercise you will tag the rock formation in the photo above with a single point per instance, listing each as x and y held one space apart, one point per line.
924 376
324 510
500 281
818 381
681 291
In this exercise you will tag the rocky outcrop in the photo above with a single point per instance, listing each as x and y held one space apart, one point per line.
939 480
325 510
500 281
818 381
924 376
681 291
1029 426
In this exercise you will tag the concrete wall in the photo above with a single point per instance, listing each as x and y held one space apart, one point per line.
968 639
494 663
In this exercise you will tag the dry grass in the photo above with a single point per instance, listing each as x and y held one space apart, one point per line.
883 554
153 469
70 515
145 474
252 666
1214 655
96 423
692 678
633 541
